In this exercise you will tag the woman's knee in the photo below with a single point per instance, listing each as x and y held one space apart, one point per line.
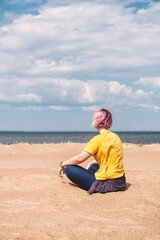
73 171
68 169
94 168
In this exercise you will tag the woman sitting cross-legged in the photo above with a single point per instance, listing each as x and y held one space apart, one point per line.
106 172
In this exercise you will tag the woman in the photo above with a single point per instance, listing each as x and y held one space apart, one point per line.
106 172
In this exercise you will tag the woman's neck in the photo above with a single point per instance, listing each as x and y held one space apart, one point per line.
101 130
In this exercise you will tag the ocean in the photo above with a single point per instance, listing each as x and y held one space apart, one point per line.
10 137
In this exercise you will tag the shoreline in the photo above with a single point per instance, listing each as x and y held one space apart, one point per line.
46 143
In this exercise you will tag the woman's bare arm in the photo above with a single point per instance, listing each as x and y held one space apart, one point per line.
81 157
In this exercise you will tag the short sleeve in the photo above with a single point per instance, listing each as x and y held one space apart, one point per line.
92 146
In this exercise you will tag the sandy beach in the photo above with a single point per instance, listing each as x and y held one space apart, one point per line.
35 204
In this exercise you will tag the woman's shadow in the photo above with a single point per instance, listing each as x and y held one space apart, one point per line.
128 185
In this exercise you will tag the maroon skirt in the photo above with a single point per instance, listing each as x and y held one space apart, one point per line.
109 185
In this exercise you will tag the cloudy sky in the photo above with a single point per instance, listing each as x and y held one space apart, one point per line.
62 60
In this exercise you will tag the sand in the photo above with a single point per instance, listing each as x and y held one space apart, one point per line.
35 204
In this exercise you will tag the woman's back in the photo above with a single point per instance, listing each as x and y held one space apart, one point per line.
107 150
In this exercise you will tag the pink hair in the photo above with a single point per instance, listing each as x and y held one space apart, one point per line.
102 118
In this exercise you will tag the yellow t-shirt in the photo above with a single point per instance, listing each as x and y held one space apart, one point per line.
107 151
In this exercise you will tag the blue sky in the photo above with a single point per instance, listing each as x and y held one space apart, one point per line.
60 61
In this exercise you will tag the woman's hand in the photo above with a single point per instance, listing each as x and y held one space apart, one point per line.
60 172
81 157
90 164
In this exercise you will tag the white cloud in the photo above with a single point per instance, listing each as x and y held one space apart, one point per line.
59 108
141 93
45 58
82 37
93 108
26 98
32 108
22 2
144 15
30 97
70 92
152 81
152 107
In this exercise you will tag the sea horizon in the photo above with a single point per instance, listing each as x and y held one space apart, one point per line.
35 131
136 137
